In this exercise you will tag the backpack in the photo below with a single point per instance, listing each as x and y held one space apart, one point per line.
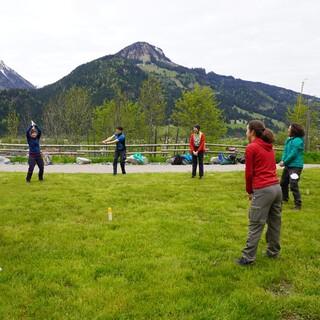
177 160
187 158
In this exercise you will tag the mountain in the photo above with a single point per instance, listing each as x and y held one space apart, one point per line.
241 100
144 53
126 70
9 79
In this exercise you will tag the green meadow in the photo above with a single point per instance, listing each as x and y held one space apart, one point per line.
168 253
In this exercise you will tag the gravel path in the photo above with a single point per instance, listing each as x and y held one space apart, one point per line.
107 168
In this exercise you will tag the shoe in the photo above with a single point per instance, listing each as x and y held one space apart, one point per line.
244 262
28 181
297 208
193 176
271 256
285 200
200 177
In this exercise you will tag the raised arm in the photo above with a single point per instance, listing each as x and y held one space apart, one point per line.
28 132
38 130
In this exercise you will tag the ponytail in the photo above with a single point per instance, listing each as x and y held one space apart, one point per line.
261 131
267 136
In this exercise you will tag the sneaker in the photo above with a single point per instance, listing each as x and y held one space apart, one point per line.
244 262
271 256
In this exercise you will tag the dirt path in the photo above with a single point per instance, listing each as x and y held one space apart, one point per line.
107 168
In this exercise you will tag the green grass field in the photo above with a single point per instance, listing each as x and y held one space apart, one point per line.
168 254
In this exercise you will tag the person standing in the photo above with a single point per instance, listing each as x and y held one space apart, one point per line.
263 188
119 139
33 135
292 161
197 149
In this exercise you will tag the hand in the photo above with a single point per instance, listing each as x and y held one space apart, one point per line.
281 164
104 141
250 196
32 123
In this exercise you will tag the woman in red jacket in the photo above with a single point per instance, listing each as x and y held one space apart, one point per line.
197 148
264 191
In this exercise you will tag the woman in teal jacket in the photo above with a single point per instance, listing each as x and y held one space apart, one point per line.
292 161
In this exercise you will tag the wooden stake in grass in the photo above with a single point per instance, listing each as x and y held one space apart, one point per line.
109 214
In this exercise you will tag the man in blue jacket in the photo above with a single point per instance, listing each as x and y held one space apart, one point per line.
119 139
33 135
292 161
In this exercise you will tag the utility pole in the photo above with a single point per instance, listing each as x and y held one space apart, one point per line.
301 92
308 126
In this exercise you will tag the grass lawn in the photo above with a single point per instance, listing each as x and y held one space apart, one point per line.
168 254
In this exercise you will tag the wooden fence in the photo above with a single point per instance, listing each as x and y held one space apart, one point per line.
11 149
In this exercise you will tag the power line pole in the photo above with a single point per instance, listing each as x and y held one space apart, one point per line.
308 126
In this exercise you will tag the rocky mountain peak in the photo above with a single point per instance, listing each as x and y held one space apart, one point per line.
10 79
144 52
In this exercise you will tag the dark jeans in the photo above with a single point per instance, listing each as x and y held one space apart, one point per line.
122 155
32 162
286 180
195 160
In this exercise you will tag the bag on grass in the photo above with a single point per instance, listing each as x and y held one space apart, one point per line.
225 160
137 158
80 160
187 158
177 160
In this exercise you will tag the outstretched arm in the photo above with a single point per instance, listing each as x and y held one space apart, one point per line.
110 140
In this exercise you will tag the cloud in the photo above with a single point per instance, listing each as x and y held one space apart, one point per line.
274 41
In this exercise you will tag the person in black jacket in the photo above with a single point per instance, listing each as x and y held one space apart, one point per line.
33 137
119 139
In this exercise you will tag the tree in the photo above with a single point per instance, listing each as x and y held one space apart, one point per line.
199 106
133 121
69 114
153 105
53 117
298 113
119 112
306 114
12 123
78 113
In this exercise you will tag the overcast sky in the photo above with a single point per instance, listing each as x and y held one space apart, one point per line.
272 41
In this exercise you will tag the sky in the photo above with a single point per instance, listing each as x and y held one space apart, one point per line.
271 41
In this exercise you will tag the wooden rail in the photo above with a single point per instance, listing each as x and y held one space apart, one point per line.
12 149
